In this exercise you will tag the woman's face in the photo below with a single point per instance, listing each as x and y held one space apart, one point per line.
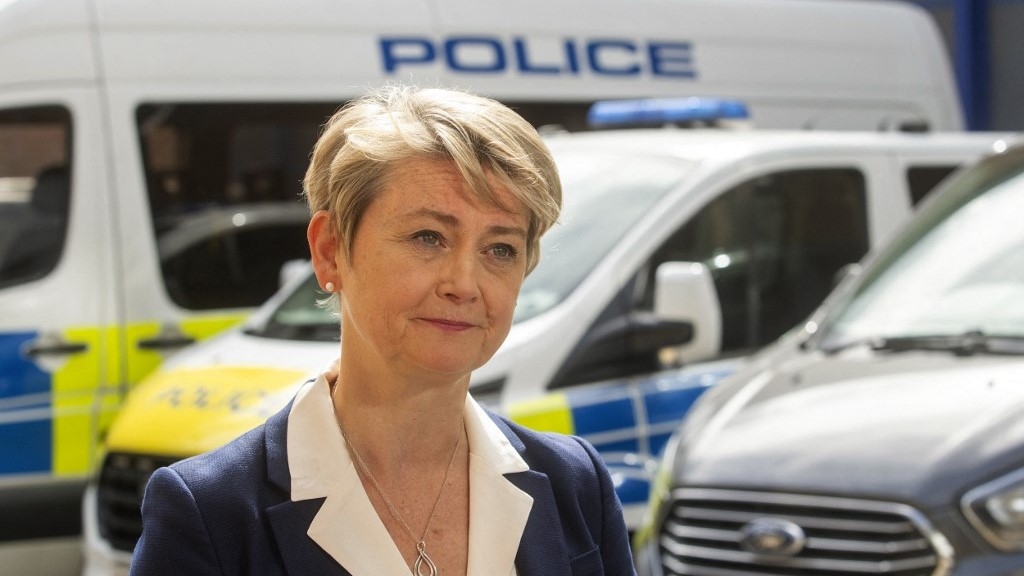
434 275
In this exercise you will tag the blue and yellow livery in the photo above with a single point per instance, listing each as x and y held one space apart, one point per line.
628 420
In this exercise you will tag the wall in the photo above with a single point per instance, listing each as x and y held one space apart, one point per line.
985 43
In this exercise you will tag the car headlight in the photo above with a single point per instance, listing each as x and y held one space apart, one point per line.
996 510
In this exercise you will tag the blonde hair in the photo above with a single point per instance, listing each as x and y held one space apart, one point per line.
363 142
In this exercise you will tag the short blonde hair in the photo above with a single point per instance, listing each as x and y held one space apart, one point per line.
361 144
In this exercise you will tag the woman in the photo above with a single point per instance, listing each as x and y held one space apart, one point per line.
428 207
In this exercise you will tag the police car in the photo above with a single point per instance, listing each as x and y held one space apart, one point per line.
679 251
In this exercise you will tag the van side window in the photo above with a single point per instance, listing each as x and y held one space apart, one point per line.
774 245
921 180
225 186
35 191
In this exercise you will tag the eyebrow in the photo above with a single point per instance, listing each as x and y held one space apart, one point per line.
451 220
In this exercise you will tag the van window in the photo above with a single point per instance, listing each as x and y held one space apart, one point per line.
35 153
774 245
921 180
225 184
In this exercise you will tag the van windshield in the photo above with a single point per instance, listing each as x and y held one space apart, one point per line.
604 196
955 281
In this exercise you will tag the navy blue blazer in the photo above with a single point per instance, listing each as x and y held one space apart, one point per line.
228 512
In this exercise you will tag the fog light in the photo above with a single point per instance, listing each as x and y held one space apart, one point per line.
996 510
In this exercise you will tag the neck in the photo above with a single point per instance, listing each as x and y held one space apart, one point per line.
398 424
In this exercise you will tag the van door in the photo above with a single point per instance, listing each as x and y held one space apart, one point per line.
56 312
213 192
774 243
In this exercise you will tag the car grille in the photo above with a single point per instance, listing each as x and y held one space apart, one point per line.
710 532
119 503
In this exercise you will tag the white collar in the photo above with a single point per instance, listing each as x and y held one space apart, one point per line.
320 467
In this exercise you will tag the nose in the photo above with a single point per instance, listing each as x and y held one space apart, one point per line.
458 279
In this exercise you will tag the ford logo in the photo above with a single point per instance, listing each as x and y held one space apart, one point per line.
772 537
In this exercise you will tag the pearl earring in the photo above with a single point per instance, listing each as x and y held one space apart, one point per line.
329 286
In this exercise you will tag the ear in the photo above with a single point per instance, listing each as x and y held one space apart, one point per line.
324 249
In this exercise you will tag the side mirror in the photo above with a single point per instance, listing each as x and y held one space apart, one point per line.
622 346
685 292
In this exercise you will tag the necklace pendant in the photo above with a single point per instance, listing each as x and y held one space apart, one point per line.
424 566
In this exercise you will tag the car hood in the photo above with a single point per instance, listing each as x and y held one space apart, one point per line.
909 426
212 392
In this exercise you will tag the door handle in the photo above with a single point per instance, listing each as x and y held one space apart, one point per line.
168 337
50 345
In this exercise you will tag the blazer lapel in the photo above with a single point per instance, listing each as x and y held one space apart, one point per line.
299 553
289 521
542 549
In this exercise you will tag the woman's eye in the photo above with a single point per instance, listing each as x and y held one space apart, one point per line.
427 237
504 251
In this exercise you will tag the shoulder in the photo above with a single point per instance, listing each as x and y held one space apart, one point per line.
238 457
215 482
227 481
243 461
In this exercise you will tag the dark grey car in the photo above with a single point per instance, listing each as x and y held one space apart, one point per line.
886 436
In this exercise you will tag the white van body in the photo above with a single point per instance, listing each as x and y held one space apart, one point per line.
128 96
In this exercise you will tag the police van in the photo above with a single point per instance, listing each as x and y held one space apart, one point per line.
148 150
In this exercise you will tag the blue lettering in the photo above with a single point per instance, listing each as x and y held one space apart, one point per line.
597 46
494 55
671 59
522 59
400 51
451 50
571 59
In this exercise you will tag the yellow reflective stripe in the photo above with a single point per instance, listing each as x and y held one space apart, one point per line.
140 362
549 413
87 389
73 395
113 369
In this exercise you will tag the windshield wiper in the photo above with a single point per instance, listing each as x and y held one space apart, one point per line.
967 343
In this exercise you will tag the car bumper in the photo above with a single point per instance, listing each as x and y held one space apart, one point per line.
100 558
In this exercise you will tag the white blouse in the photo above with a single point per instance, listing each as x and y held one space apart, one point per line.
347 526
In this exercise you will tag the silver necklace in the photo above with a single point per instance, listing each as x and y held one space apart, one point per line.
423 566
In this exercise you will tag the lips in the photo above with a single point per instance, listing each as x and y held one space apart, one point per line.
449 325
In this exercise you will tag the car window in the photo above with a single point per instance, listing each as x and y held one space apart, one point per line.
774 245
224 184
959 270
921 180
35 191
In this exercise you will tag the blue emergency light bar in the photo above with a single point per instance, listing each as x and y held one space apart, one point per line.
662 111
